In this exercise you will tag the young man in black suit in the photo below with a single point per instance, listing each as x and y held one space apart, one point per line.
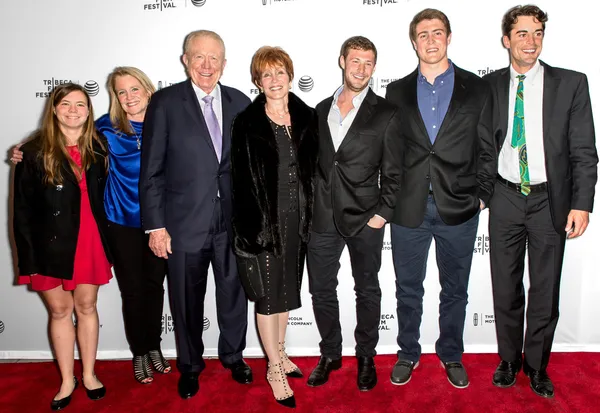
355 189
547 172
449 165
185 197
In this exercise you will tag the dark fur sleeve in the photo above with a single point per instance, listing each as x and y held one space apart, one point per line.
245 205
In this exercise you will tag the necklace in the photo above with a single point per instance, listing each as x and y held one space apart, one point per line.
277 114
138 137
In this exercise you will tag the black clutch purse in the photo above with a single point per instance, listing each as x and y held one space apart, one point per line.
251 277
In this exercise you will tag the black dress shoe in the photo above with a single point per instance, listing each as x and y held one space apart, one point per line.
506 373
95 394
188 385
539 382
402 372
320 374
456 373
64 402
240 372
367 376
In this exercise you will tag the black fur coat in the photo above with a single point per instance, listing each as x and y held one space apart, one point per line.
254 173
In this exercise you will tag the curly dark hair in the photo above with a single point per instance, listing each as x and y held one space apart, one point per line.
510 18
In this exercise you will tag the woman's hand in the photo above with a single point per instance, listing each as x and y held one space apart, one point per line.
17 154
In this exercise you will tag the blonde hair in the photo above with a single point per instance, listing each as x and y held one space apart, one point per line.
118 116
202 33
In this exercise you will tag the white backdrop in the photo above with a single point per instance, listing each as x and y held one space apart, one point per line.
44 43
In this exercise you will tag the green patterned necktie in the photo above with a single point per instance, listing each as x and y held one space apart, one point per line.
518 138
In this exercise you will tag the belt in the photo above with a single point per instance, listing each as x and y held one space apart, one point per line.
543 187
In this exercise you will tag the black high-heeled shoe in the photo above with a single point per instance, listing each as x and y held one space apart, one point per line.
159 363
279 375
64 402
295 373
95 394
141 369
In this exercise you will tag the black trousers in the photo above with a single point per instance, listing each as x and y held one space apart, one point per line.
188 274
523 224
140 275
323 259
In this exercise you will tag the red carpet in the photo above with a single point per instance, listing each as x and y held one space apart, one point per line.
29 387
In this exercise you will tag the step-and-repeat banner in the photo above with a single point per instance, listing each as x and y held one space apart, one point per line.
46 43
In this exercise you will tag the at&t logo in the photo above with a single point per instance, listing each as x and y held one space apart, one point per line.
91 87
163 84
206 323
479 319
198 3
306 83
1 327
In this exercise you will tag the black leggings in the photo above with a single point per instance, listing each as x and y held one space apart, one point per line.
140 275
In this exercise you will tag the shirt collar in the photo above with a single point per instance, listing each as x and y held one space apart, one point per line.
356 100
531 75
449 72
215 93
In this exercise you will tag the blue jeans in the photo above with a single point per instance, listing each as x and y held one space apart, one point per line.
454 253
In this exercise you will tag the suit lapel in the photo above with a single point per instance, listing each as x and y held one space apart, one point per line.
324 130
362 117
413 105
191 104
459 94
549 100
228 115
503 90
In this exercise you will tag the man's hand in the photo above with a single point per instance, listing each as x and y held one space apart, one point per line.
160 243
17 154
481 205
577 223
376 222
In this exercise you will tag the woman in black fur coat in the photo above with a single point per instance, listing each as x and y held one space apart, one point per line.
273 158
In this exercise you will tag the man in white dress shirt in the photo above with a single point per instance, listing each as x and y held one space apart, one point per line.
544 193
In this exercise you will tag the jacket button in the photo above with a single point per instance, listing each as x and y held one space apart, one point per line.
432 153
56 213
335 163
59 187
427 177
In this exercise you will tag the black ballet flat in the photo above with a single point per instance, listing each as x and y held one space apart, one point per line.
64 402
95 394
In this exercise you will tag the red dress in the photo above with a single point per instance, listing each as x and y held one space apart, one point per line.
91 265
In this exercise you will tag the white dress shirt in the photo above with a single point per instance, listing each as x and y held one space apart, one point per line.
217 107
533 97
338 126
